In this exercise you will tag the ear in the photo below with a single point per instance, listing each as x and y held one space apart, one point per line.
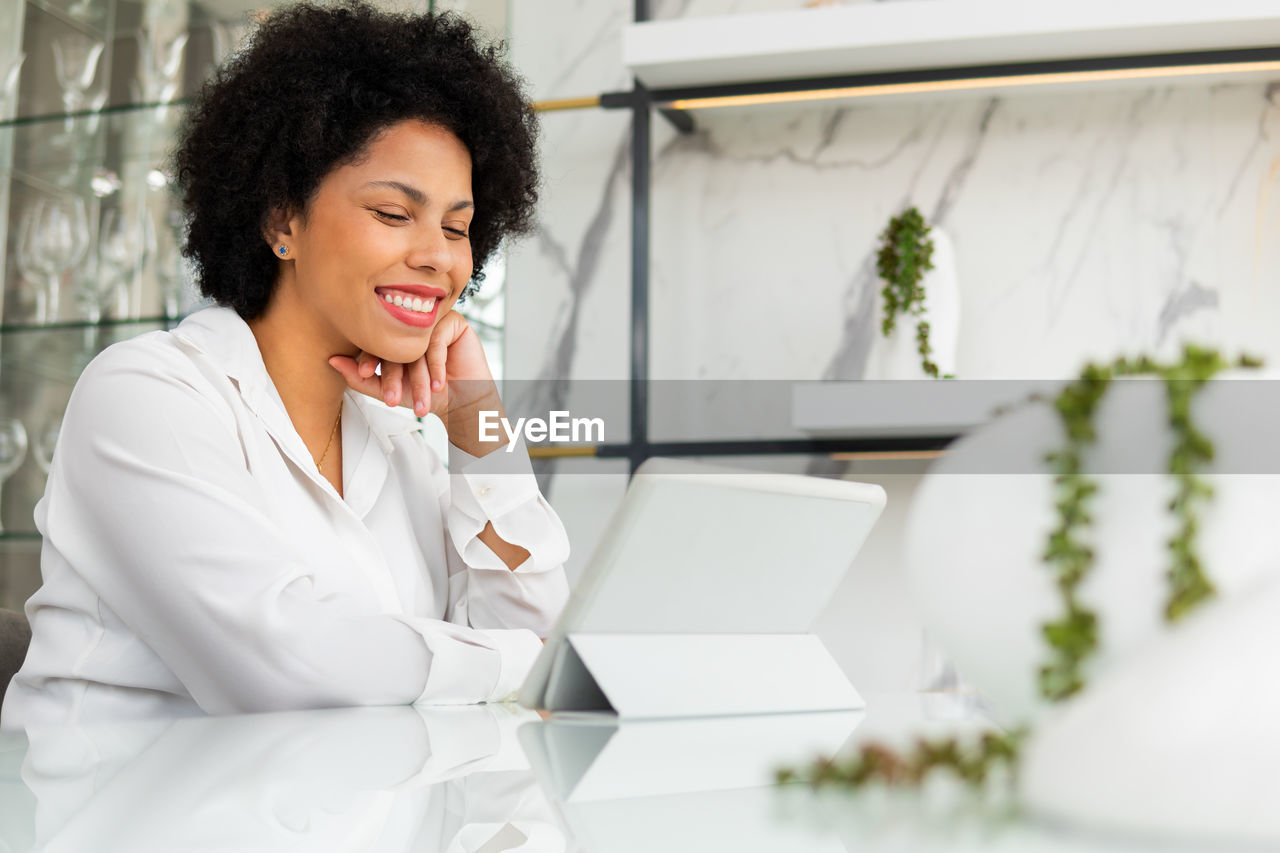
279 227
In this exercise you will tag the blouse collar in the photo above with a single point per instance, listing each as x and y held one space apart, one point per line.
226 339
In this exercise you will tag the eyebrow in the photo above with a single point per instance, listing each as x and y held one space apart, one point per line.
416 195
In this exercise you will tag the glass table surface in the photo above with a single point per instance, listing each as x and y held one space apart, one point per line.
492 778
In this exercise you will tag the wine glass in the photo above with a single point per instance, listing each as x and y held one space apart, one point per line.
53 237
157 67
75 57
13 449
124 245
95 290
46 439
31 260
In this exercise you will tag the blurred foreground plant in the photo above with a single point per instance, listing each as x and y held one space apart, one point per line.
873 762
1073 637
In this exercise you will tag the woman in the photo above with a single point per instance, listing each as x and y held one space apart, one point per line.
243 515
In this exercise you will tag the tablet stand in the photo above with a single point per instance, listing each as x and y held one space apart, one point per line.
683 675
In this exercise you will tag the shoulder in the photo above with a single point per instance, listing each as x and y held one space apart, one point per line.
157 351
208 350
141 366
155 398
155 374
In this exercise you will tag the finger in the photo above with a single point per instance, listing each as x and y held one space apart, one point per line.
392 375
368 364
419 385
437 354
350 370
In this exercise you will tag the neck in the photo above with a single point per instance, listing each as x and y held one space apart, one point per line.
296 350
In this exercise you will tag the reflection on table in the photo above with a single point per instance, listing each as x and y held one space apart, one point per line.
701 784
374 779
493 778
705 785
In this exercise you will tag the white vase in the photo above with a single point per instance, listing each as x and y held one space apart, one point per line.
1177 741
897 356
977 529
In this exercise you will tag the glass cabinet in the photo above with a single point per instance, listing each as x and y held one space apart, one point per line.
91 94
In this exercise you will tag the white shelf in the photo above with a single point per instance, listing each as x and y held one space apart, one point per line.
920 34
920 408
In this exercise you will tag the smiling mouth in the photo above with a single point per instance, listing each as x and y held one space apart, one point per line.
411 303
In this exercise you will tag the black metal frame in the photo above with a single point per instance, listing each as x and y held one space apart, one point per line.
637 447
642 102
970 72
638 443
775 446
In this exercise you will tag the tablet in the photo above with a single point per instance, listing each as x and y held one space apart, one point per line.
701 549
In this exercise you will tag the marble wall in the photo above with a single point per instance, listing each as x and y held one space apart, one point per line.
1087 223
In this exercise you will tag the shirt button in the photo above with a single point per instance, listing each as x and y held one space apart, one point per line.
484 491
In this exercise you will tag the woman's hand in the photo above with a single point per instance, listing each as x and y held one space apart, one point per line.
451 376
452 380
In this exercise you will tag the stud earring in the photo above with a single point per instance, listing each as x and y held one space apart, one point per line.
284 250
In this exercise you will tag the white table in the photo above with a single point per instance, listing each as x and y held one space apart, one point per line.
491 778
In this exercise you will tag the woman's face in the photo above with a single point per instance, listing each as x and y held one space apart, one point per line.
390 228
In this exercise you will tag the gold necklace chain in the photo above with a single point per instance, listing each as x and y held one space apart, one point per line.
332 433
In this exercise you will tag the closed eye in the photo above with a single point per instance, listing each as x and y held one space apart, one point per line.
458 231
382 214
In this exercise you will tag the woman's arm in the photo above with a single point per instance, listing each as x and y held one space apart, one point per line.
464 434
453 381
500 492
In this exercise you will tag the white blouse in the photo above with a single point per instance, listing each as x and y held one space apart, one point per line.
195 561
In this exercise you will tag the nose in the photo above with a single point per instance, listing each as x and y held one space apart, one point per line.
431 250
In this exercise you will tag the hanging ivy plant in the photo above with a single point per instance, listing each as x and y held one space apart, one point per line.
1073 637
905 255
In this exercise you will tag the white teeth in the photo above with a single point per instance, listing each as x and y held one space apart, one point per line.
411 303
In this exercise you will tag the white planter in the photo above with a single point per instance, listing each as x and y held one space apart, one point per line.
977 529
897 356
1177 742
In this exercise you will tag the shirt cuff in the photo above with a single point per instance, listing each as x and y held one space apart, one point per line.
488 487
501 488
519 648
470 665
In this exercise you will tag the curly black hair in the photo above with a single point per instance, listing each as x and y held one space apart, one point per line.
307 94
